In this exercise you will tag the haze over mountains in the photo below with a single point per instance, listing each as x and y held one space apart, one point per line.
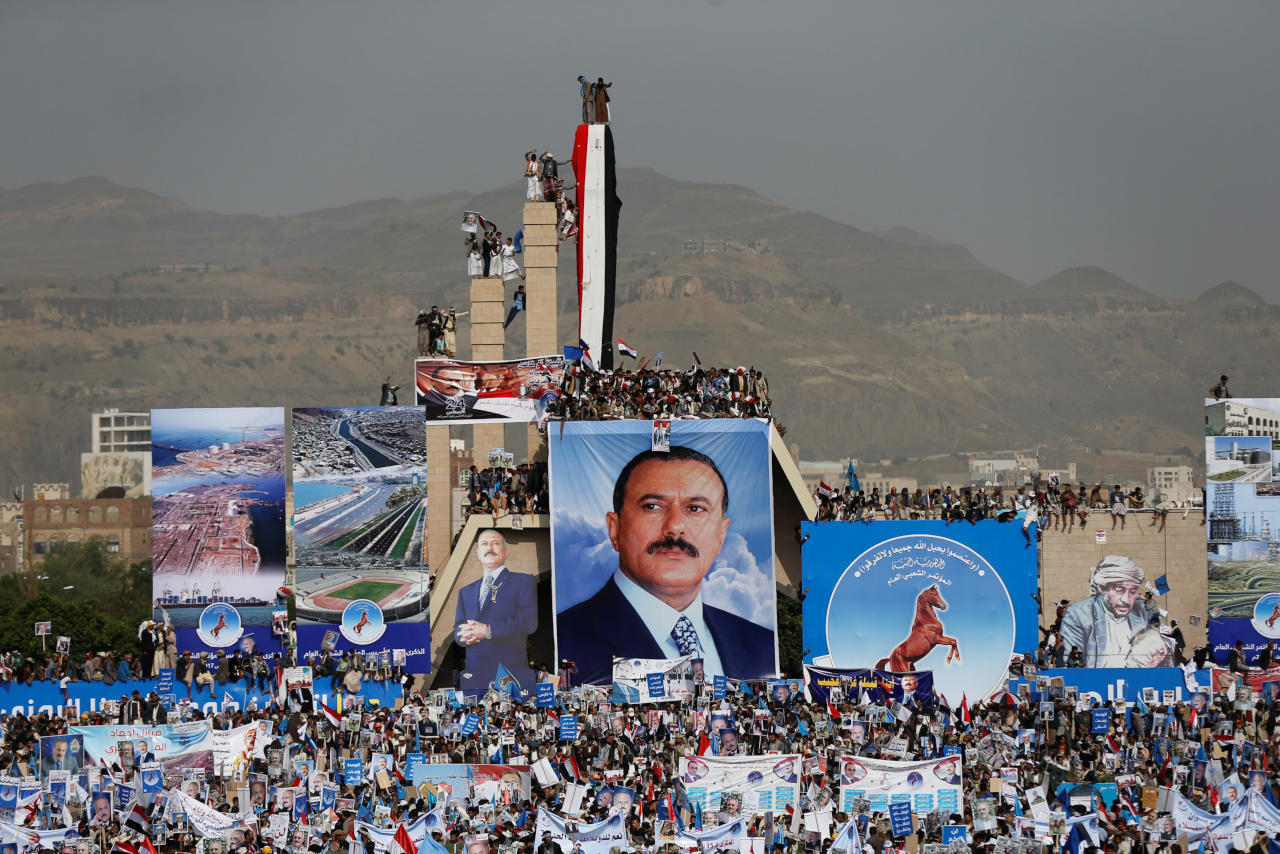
880 344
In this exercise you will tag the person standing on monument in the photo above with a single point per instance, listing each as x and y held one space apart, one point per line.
599 88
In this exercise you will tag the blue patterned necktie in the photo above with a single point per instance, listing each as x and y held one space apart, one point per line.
484 588
685 636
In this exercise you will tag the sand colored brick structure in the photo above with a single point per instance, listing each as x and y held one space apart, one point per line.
1177 553
541 260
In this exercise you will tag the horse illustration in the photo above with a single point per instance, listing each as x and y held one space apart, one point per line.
1275 615
926 633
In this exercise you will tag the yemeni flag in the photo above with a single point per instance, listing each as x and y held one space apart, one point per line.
824 490
625 350
137 820
402 842
965 717
704 744
331 716
587 361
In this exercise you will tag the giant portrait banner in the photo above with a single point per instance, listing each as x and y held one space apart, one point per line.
653 680
598 838
761 783
359 523
933 784
835 685
645 520
1242 523
955 600
218 526
457 392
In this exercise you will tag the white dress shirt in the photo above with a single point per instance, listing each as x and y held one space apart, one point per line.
660 618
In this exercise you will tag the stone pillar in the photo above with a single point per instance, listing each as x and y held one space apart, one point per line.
541 259
488 310
439 532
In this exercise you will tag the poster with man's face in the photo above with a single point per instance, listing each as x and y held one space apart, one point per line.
689 530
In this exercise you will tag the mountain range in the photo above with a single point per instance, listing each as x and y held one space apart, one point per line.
878 345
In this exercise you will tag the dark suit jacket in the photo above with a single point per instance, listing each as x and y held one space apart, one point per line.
512 614
591 633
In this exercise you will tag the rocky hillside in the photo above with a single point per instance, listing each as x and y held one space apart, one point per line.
877 344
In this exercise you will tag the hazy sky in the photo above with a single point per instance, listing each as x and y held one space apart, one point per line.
1139 135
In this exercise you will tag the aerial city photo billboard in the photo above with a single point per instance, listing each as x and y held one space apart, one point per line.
359 517
218 526
1242 523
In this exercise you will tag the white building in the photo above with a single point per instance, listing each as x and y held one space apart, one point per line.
1173 483
113 431
1237 418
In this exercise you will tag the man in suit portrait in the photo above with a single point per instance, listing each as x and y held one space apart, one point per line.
495 616
668 524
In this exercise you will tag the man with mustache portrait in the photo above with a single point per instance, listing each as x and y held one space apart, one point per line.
668 524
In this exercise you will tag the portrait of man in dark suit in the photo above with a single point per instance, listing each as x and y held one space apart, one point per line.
668 523
495 616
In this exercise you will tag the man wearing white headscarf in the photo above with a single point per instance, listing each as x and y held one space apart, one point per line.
1104 626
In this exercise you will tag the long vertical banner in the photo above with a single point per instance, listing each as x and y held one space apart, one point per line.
218 526
599 206
1242 514
913 596
360 509
684 530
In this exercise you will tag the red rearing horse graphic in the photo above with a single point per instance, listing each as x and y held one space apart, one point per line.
1275 615
926 633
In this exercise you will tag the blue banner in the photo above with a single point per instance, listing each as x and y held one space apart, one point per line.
1120 684
657 684
470 724
412 638
880 685
569 728
900 818
164 682
952 832
957 600
719 687
1225 631
89 696
544 694
352 771
1101 721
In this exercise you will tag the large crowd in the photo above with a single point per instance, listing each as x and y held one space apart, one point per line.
1049 507
652 394
508 490
1040 746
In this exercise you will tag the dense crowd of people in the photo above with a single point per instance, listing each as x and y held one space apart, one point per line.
508 490
1042 746
651 394
1052 507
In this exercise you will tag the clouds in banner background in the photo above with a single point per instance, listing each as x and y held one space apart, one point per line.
586 458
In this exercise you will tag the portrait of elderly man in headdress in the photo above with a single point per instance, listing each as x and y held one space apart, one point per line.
1110 627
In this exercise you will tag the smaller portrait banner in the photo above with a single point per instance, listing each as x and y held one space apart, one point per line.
474 392
846 685
931 785
771 782
634 679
